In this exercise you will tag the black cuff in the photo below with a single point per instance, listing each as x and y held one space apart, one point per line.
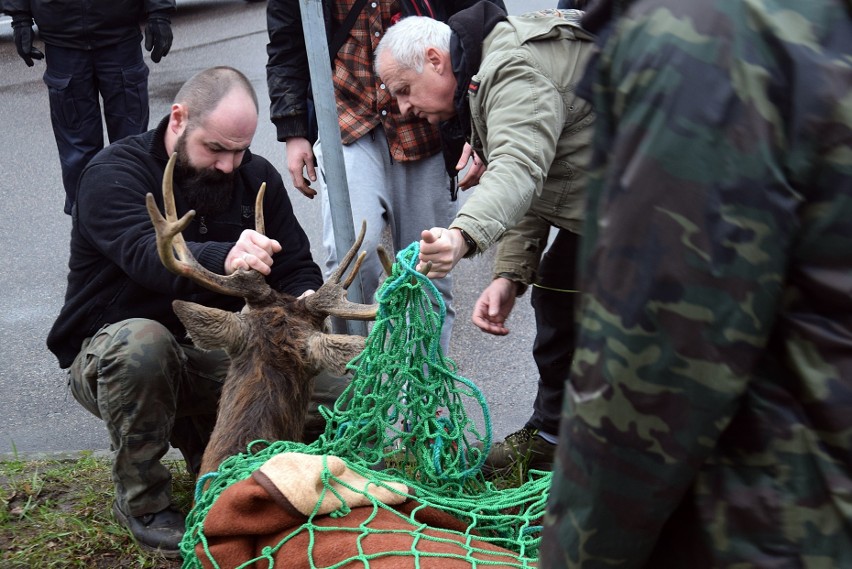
22 20
160 15
291 126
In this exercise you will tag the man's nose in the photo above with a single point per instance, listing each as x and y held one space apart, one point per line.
228 162
404 106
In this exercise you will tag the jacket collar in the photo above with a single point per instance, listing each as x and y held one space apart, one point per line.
469 29
158 142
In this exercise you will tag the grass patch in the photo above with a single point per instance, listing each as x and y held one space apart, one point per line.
57 513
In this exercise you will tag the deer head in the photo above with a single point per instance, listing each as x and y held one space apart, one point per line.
276 346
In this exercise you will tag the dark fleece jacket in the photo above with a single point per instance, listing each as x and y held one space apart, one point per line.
115 271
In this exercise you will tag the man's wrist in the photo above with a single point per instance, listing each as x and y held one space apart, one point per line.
511 283
520 285
469 247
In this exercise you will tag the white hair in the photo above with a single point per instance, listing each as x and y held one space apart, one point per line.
407 41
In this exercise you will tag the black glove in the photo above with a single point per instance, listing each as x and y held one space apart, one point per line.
23 26
158 36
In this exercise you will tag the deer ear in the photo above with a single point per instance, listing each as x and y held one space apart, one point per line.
332 352
211 328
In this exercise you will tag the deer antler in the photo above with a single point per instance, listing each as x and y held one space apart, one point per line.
177 257
331 297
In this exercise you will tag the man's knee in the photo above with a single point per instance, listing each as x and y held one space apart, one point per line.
135 357
142 347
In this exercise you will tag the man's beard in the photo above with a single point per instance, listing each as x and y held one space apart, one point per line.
208 192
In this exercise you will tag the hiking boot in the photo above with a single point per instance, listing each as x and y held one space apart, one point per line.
160 533
523 449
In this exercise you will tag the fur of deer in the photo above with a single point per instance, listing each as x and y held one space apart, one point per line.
276 345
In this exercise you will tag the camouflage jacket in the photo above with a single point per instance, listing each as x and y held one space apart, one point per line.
708 419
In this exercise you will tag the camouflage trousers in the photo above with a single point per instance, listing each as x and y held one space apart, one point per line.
153 391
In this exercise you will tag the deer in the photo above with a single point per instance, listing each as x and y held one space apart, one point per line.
276 344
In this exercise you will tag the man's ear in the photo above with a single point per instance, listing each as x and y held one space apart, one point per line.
437 59
178 118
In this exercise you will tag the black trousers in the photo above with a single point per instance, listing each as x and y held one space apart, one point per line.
553 348
77 81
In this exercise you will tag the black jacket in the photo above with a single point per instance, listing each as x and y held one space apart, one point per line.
287 72
115 271
88 24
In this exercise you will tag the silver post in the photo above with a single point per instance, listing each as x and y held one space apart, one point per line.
316 43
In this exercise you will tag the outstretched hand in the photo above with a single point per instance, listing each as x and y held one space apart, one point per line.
494 305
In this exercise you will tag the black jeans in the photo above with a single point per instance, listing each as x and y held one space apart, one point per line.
553 348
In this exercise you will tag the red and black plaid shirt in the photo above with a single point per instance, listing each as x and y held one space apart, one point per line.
363 102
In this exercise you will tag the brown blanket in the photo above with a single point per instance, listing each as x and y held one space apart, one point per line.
278 498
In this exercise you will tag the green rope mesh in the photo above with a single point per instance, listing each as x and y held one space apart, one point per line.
403 419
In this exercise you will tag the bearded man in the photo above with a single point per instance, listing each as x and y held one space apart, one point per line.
130 362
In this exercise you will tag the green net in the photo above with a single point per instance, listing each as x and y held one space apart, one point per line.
402 419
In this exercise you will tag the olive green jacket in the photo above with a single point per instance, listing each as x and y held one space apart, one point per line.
533 132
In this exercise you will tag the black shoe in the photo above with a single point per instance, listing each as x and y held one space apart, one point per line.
523 450
159 533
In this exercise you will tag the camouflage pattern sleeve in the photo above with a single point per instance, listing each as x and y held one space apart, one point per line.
708 419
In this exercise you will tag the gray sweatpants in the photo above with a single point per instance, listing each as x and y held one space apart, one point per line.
407 197
152 391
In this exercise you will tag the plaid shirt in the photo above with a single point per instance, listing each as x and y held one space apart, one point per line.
363 102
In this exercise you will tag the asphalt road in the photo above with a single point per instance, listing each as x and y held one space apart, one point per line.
37 412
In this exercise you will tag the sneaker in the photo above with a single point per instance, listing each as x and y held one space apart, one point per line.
159 533
523 449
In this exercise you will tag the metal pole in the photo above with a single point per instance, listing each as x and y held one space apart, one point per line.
316 43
